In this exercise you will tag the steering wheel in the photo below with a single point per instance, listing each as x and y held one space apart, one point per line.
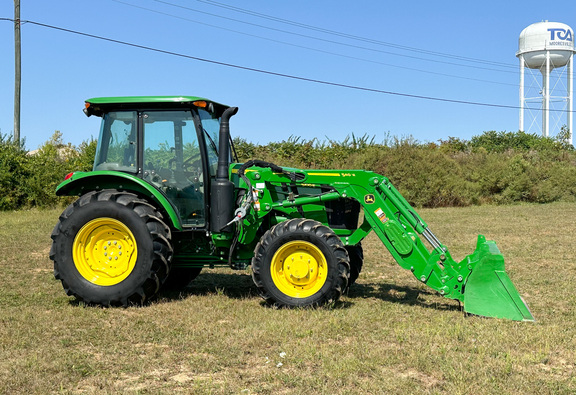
191 162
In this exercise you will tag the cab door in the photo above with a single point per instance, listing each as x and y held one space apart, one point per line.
172 161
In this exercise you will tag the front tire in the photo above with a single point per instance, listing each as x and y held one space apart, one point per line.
356 255
111 248
300 263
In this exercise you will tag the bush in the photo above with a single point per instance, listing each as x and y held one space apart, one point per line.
13 173
428 177
520 141
29 179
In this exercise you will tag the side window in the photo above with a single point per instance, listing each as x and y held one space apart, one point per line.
172 162
117 146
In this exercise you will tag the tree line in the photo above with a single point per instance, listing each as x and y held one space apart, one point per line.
491 168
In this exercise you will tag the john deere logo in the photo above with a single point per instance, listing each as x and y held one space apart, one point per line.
369 199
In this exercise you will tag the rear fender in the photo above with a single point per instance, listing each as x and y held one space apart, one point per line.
80 183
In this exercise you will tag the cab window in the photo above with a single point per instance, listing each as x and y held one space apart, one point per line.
117 148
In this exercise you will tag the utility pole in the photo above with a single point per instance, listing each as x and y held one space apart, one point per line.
17 70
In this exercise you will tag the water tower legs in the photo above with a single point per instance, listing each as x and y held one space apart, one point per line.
522 99
546 97
570 98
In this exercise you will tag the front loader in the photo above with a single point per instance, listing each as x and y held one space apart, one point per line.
166 199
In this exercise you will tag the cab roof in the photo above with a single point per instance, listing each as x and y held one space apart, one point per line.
99 105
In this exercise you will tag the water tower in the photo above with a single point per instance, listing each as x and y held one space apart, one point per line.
547 47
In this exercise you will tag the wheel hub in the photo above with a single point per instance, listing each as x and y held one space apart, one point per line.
299 269
105 251
299 266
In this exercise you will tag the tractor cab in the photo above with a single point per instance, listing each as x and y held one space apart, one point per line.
171 143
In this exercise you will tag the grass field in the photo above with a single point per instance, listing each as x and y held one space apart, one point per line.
390 334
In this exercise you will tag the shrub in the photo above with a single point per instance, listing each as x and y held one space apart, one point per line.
28 179
13 173
47 168
428 177
494 141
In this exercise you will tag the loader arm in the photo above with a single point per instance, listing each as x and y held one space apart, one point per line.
479 281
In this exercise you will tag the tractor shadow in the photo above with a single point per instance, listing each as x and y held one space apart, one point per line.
234 286
239 285
406 295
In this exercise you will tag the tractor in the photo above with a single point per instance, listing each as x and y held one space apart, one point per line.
168 197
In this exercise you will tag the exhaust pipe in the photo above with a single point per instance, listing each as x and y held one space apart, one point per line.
222 189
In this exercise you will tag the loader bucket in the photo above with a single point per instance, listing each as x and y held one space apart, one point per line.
488 290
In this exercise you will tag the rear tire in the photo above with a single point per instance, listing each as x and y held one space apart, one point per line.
300 263
111 248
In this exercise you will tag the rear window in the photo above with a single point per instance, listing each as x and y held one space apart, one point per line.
117 144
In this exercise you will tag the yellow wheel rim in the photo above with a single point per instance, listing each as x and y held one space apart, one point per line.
299 269
104 251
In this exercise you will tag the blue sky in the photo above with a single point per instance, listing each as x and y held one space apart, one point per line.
308 39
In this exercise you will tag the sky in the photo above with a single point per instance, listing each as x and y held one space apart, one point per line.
308 69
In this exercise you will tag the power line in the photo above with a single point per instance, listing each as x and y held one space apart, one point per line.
346 35
321 50
267 72
320 39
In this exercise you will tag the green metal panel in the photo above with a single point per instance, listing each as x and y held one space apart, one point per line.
81 183
144 99
398 237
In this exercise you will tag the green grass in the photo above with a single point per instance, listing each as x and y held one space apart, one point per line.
390 334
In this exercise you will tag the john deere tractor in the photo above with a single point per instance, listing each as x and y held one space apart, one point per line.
167 198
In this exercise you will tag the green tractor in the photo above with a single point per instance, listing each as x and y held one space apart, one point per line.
167 198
